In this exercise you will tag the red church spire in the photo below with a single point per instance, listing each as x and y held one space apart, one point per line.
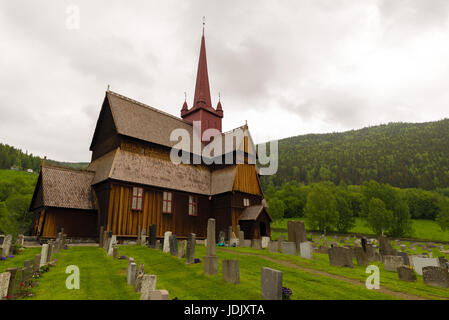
202 109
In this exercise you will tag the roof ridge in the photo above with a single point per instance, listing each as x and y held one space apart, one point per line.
141 104
59 167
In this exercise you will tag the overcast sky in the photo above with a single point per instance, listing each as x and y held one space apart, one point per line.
288 67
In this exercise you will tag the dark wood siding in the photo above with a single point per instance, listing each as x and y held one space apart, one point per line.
76 223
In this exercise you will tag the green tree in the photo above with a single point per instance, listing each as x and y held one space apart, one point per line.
378 217
443 216
346 219
321 208
276 208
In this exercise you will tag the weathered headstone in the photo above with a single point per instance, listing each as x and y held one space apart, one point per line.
419 263
182 249
112 244
306 250
6 247
436 276
36 262
139 277
288 247
166 247
241 235
4 284
221 237
173 245
230 234
360 255
143 237
20 240
273 246
152 236
256 244
385 248
44 254
148 285
300 233
444 263
50 251
340 257
271 283
105 239
158 245
211 260
280 240
406 274
131 275
12 282
265 241
159 295
392 263
246 243
230 270
291 235
115 253
190 252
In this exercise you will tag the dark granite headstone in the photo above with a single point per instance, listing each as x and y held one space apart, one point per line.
340 257
385 248
190 251
436 276
173 245
364 244
360 255
152 236
406 274
405 258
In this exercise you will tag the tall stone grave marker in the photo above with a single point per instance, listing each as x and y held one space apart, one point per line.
190 252
6 245
182 249
4 284
148 286
131 275
291 231
166 247
306 249
173 245
101 237
271 284
143 237
152 236
211 260
44 254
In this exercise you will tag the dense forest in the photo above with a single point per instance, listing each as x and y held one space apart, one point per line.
405 155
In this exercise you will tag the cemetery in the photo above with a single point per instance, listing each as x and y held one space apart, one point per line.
300 266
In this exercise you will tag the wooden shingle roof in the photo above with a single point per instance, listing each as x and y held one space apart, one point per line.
64 188
253 212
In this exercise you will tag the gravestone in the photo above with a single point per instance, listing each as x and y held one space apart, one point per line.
419 263
265 242
139 277
271 283
406 274
101 237
306 250
291 236
50 251
190 252
105 239
152 237
273 246
12 282
159 295
230 270
166 247
392 263
112 244
36 262
385 248
435 276
6 247
211 260
158 245
279 241
256 244
173 245
44 254
115 253
246 243
20 240
360 255
288 247
4 284
182 250
148 285
2 239
340 257
404 258
131 275
230 234
143 237
241 235
300 234
138 234
221 237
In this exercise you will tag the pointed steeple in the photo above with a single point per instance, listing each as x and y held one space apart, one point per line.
202 90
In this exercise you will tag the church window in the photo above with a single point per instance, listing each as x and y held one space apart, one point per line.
193 205
137 198
246 202
167 202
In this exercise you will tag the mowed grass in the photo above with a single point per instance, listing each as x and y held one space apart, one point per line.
102 278
422 229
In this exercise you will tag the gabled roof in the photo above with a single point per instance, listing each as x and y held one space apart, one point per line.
64 188
253 212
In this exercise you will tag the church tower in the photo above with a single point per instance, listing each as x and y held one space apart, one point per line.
202 109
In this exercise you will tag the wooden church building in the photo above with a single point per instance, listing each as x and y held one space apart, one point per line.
132 183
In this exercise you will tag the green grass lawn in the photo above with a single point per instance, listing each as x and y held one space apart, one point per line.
422 229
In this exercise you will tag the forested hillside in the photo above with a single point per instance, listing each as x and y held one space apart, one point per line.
405 155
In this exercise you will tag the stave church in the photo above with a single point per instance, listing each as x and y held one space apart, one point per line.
131 181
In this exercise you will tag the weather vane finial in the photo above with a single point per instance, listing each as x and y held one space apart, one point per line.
219 96
204 23
185 96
